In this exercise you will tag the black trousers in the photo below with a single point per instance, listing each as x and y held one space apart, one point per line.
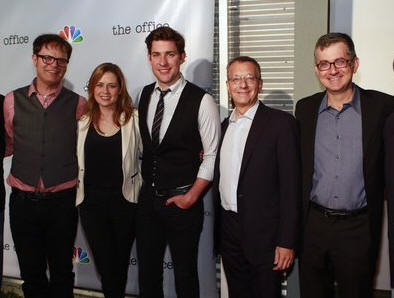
336 250
158 225
108 220
44 231
245 280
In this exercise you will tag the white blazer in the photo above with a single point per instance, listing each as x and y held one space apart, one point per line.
131 152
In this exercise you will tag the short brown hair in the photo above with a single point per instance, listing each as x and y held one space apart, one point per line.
330 38
166 33
123 104
246 59
46 39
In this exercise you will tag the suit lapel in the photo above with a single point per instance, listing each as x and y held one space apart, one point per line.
217 160
224 129
258 126
126 134
310 127
367 108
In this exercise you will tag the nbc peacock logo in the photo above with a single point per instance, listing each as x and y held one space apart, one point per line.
80 256
71 33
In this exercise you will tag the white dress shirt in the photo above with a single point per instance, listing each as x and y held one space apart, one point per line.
208 123
231 154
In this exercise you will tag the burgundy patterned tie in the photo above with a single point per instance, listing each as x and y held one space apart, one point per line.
158 118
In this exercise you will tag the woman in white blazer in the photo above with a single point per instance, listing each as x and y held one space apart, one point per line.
109 146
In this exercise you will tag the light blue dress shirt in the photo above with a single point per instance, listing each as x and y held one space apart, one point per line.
338 181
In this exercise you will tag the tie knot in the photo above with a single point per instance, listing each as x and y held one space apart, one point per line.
164 92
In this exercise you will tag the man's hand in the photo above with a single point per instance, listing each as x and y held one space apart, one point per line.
182 201
188 199
283 258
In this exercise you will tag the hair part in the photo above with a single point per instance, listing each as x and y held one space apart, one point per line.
122 105
166 33
45 40
243 59
330 38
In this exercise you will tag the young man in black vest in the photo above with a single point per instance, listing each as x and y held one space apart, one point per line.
40 124
179 122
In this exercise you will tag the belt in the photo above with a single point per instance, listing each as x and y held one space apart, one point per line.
327 212
39 196
180 190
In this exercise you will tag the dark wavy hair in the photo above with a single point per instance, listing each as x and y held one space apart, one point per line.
166 33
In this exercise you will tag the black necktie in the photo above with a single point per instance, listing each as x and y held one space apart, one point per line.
158 118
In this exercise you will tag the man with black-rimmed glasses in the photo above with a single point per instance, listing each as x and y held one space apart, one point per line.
341 133
41 124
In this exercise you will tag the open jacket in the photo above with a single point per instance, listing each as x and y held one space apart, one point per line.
375 108
131 151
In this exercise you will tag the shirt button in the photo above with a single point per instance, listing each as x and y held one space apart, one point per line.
337 137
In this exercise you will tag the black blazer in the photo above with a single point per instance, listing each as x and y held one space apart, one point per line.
389 163
268 186
375 108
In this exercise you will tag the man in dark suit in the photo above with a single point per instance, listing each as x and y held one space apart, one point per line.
341 133
389 163
257 179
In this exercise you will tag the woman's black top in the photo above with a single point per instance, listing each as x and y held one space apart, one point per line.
103 160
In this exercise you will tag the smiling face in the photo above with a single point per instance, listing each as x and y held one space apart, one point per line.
245 91
50 75
165 61
106 90
336 80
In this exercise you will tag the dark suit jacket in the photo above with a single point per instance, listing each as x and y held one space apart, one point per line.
268 185
375 108
389 163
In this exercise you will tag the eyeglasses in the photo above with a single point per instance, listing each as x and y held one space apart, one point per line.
338 63
47 59
249 80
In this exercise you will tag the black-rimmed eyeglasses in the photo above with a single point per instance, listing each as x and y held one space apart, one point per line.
47 59
338 63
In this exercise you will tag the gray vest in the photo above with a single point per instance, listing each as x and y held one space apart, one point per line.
45 139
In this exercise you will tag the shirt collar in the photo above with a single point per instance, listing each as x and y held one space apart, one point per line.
176 87
33 89
248 115
355 102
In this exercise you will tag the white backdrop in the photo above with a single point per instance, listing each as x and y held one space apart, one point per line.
111 31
